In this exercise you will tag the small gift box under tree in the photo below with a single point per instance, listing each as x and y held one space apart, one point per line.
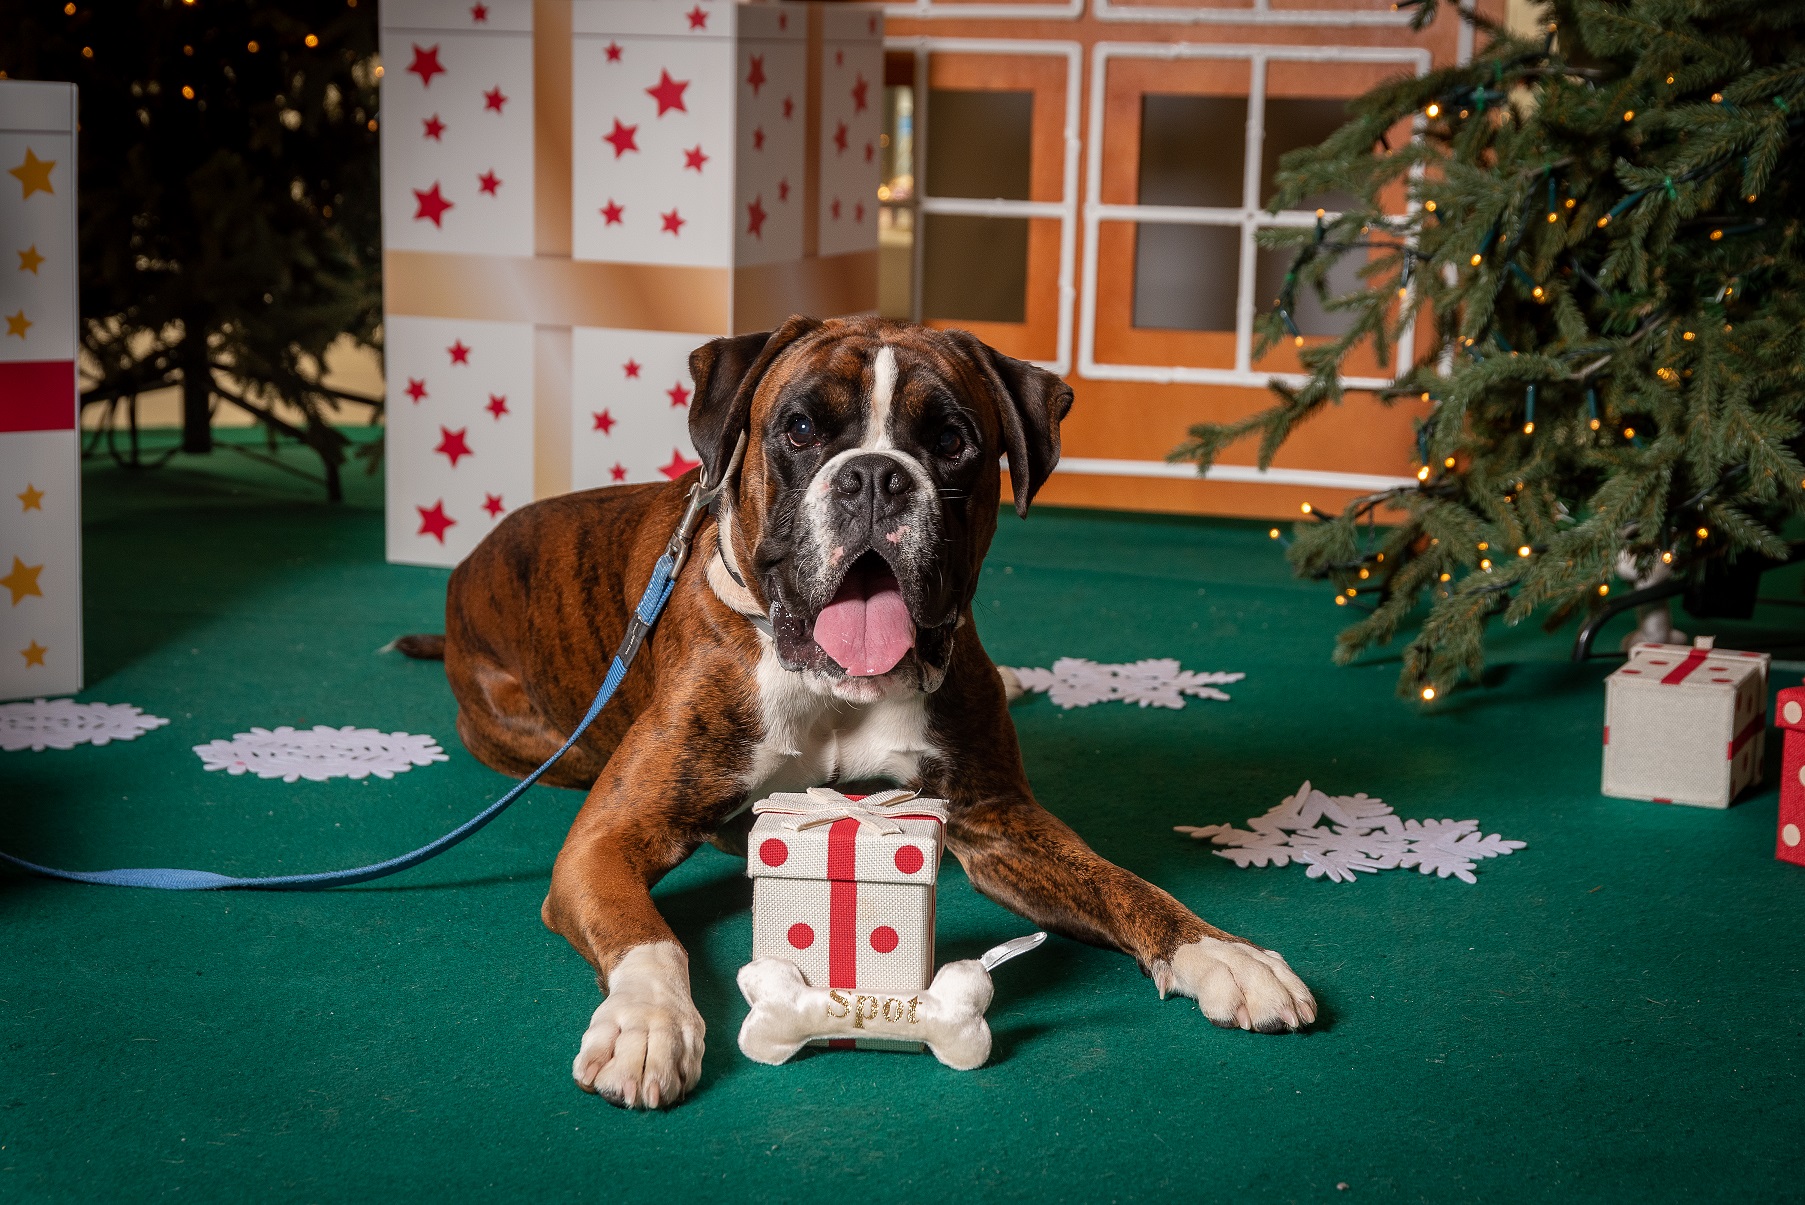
843 886
1685 724
1789 842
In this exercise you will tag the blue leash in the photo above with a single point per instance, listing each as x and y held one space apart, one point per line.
651 605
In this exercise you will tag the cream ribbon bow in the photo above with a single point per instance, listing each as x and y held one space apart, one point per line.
876 812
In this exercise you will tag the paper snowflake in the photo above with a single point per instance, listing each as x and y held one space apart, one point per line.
319 754
1156 682
1362 836
63 724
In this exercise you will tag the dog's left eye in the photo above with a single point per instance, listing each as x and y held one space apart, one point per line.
801 431
951 442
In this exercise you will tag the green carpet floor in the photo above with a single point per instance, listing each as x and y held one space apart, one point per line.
1616 1012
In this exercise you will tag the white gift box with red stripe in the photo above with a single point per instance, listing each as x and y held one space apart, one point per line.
1685 724
843 886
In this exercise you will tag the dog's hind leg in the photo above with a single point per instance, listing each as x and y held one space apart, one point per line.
499 724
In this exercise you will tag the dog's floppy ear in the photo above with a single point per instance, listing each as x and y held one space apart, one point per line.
1031 402
726 373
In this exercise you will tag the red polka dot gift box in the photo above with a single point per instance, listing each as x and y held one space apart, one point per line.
1685 724
1789 842
843 886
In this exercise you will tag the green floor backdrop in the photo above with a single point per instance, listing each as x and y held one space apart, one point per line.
1616 1012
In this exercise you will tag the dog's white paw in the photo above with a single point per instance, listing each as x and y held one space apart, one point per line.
643 1047
1237 985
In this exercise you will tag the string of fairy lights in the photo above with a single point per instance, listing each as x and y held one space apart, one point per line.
1499 252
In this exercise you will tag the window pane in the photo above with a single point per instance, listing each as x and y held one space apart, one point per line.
1269 268
974 269
1193 150
895 261
1185 277
979 144
1291 123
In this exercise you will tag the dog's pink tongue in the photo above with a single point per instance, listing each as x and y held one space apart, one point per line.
866 635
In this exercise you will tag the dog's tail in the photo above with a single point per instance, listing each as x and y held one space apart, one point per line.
420 647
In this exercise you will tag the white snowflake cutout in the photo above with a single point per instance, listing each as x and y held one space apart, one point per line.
63 724
1363 836
320 754
1155 682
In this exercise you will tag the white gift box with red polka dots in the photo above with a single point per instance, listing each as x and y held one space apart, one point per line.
1685 724
843 886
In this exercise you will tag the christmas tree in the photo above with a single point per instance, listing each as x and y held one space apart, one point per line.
229 212
1599 229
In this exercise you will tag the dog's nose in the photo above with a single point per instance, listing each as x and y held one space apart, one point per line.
874 481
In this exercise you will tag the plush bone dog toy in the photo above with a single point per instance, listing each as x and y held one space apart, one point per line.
948 1017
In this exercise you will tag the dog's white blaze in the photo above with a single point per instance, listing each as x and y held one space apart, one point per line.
883 392
812 735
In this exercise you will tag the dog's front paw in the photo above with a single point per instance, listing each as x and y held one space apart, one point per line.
1237 985
643 1047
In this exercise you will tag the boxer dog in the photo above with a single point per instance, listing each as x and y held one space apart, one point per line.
822 634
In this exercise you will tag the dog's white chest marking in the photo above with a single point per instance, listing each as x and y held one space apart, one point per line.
811 737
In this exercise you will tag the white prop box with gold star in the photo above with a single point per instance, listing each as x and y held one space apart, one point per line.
576 194
40 482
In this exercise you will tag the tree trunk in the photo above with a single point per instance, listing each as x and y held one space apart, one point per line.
197 386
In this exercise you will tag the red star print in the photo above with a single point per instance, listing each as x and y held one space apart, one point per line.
755 218
434 127
755 78
488 182
789 108
840 138
668 93
604 422
416 389
869 151
783 20
858 212
493 99
783 189
694 158
432 204
498 405
678 394
479 12
678 466
434 521
426 64
631 368
859 92
839 58
618 472
871 24
621 138
452 445
611 213
835 209
672 223
614 52
697 18
758 138
492 504
458 352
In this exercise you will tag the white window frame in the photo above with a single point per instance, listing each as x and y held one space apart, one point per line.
1065 209
1250 217
1261 13
1070 10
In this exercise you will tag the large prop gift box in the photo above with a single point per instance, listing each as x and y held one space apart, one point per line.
40 476
576 193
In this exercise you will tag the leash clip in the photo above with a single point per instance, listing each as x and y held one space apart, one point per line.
701 497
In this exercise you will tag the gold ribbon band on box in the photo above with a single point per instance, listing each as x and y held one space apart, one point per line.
548 291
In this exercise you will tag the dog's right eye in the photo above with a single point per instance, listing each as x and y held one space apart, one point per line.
801 431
